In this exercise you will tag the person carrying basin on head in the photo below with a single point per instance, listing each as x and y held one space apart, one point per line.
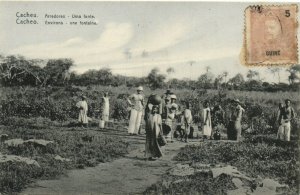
136 102
153 129
105 110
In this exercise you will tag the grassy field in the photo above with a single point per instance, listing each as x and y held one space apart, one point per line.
71 148
50 114
257 156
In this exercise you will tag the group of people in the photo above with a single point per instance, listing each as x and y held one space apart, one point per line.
83 111
161 113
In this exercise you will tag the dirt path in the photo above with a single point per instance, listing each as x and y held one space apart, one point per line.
128 175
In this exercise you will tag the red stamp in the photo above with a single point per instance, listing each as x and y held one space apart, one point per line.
271 35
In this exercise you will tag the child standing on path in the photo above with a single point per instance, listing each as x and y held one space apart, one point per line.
187 121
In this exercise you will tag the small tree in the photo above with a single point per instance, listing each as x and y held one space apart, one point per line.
155 80
104 76
275 71
205 80
55 70
238 79
170 71
17 70
251 74
294 71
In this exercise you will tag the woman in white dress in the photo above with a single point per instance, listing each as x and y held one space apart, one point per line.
207 127
83 109
105 110
136 102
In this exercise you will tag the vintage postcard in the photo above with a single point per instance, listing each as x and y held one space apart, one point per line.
149 98
271 34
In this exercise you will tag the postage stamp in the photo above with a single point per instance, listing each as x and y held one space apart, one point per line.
271 35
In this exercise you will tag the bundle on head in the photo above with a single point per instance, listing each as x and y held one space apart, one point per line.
155 99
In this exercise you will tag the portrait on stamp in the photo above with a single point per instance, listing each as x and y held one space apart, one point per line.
271 35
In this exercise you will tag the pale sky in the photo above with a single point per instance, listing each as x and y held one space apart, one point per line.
131 38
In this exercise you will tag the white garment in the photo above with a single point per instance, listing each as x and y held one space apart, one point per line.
280 133
83 118
105 109
135 121
137 100
286 130
207 128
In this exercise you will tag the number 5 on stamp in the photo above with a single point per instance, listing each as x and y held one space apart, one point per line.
271 35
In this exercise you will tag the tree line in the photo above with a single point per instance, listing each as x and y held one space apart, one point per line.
19 71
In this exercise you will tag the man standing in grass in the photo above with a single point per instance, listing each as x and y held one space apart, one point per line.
287 115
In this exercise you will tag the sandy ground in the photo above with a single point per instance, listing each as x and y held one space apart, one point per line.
131 174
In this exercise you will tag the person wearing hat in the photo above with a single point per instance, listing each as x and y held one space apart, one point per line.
105 110
173 98
234 131
168 94
136 101
83 109
167 101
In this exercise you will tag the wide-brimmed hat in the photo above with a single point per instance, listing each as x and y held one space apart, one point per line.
173 96
169 92
174 106
83 97
140 88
